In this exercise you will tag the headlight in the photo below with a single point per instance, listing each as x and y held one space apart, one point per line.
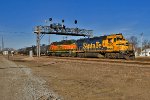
127 44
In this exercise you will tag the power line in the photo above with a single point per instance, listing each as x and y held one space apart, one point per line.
15 32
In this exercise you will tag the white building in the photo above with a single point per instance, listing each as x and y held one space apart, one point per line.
136 54
145 52
5 52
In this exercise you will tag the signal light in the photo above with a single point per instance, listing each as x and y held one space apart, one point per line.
75 21
63 21
50 19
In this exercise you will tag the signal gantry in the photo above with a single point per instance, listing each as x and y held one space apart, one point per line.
59 29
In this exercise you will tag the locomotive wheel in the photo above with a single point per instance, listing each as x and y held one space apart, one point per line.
132 57
73 55
107 55
81 55
126 57
117 56
113 55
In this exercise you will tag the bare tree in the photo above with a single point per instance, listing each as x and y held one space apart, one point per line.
146 44
133 40
149 44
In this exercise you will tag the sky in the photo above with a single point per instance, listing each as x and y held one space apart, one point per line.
19 17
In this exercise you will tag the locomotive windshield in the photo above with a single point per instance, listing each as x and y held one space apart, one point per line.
119 39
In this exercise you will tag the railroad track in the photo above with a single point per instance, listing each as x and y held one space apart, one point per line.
106 60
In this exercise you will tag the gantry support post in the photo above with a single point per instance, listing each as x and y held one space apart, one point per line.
38 42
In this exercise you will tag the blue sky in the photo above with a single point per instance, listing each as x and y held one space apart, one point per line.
18 18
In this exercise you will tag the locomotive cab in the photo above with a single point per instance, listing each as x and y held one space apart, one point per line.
118 47
116 42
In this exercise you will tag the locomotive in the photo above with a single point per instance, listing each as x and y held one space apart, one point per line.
109 46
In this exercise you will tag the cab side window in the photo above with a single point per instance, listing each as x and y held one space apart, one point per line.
110 40
114 39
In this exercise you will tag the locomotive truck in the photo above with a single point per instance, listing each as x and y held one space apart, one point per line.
110 46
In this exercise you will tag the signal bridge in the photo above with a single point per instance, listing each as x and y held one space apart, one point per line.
60 29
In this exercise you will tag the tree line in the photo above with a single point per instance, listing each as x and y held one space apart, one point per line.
137 43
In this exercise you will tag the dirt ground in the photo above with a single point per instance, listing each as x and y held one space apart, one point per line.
80 79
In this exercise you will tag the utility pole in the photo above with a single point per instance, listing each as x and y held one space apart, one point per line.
2 43
141 42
